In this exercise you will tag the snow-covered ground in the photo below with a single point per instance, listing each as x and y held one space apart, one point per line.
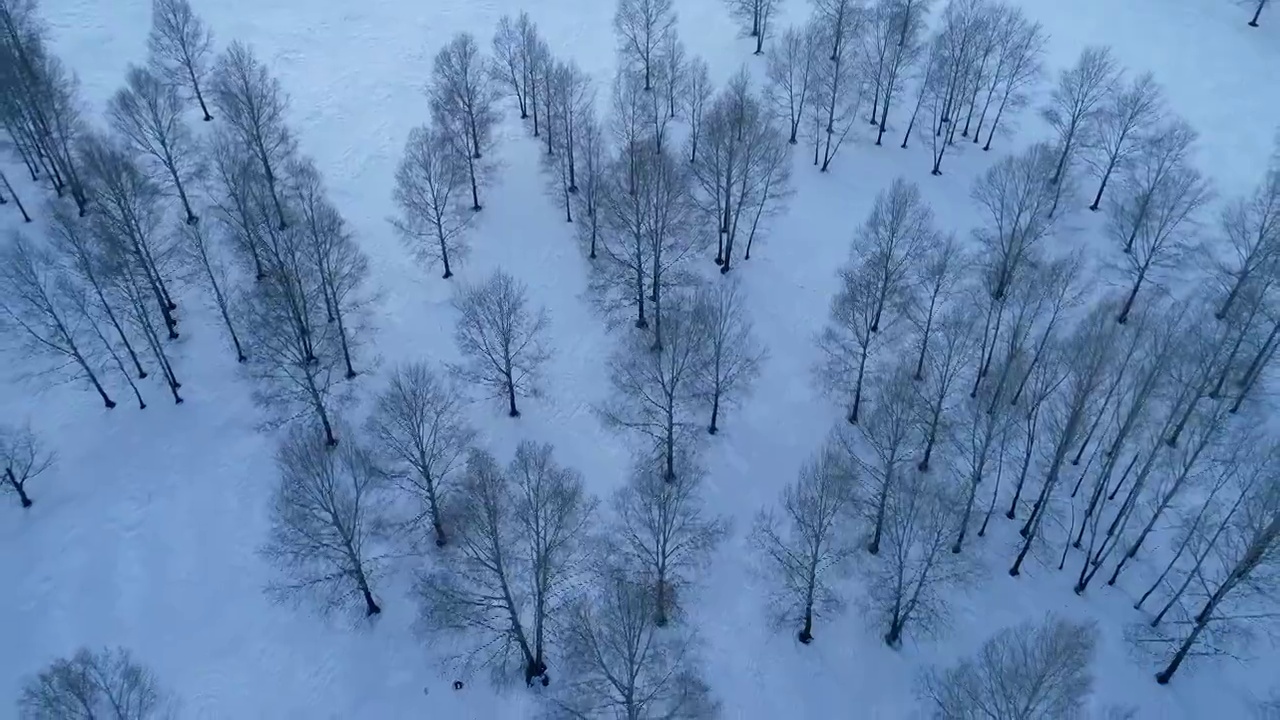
145 533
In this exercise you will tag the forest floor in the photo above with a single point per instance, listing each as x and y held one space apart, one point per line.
145 534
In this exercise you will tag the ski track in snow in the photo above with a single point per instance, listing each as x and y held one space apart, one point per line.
145 533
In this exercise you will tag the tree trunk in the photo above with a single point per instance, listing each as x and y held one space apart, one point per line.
857 390
1257 13
371 607
1164 676
715 412
806 632
511 399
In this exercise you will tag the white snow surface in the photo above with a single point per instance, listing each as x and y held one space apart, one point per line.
145 533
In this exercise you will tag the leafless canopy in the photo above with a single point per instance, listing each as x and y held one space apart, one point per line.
421 435
1034 671
663 534
520 547
325 522
95 685
622 664
501 337
22 457
806 547
180 44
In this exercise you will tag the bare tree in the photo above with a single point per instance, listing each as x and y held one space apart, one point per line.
592 155
23 458
341 268
213 273
911 582
876 290
895 44
129 223
501 337
1017 201
642 27
511 57
1247 566
421 435
807 549
1128 114
1032 671
946 358
698 90
40 107
841 82
95 684
792 73
1166 240
71 237
754 18
520 547
1077 102
294 355
1018 66
147 113
253 105
743 171
649 233
961 55
462 97
935 282
734 354
623 664
1251 227
979 446
655 391
663 533
35 313
325 523
180 44
673 72
429 183
1082 373
890 436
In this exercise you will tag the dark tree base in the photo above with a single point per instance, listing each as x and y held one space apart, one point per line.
208 118
513 413
351 374
713 430
804 637
110 404
1014 572
26 502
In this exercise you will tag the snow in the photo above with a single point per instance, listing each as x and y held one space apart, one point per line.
145 533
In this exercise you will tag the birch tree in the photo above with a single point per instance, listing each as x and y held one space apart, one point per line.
663 534
253 104
23 457
1127 115
734 355
1076 103
106 683
502 338
147 113
622 663
655 391
642 27
1034 670
1017 203
1019 66
462 96
421 436
179 44
890 437
911 583
1251 227
792 75
430 183
895 45
35 314
520 545
212 270
326 520
805 546
754 18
